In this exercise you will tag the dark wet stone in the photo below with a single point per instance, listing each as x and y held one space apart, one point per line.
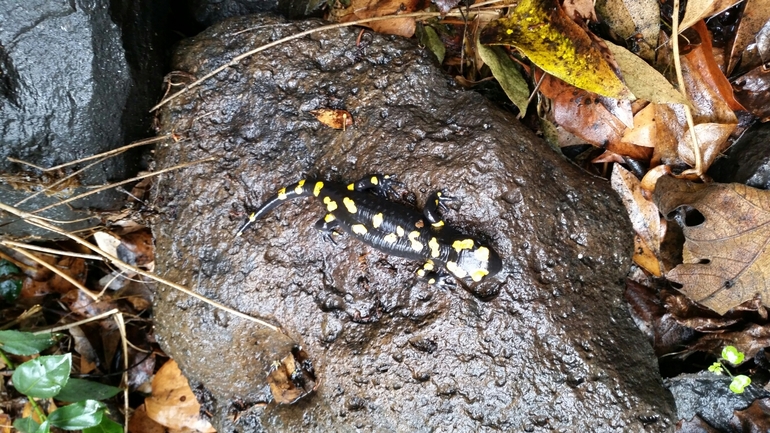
748 160
76 79
555 350
708 395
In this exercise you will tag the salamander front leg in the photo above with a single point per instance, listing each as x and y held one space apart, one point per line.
433 208
327 226
429 273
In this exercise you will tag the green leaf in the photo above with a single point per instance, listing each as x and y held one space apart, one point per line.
78 416
106 426
8 268
716 367
507 74
28 425
739 383
80 389
43 377
10 289
732 355
432 41
25 343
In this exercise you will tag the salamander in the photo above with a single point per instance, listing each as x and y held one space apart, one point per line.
362 210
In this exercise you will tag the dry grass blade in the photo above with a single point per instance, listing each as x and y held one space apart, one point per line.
53 269
78 323
240 57
124 379
51 250
698 170
123 182
33 219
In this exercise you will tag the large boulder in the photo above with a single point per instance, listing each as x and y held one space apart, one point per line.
547 346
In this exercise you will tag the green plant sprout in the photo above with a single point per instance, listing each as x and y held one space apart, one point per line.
49 377
734 357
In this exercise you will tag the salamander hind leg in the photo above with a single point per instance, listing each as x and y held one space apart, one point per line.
328 227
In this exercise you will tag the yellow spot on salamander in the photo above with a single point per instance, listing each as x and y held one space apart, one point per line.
482 254
432 281
299 189
400 231
374 180
509 31
434 250
317 189
377 220
349 205
465 244
438 224
329 217
478 274
421 272
428 266
456 270
282 194
358 229
390 238
331 205
416 245
351 187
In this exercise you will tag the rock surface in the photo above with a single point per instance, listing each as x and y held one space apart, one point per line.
76 79
555 350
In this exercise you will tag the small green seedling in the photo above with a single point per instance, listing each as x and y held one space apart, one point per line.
734 357
49 376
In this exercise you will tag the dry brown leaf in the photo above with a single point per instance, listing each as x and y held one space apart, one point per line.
173 403
292 377
726 259
702 58
141 423
336 119
753 91
632 18
360 9
644 219
756 14
698 9
580 10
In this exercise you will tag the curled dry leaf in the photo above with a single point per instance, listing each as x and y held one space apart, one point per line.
360 9
550 39
644 218
173 403
292 377
726 258
337 119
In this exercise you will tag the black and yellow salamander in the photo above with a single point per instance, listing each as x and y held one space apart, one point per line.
362 210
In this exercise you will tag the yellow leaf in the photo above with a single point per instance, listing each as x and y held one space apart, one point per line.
550 39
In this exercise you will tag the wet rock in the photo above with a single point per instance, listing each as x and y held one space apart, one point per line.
708 396
748 161
554 350
76 79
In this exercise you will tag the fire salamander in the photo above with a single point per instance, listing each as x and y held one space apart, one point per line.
362 210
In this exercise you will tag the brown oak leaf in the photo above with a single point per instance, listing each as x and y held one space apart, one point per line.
726 259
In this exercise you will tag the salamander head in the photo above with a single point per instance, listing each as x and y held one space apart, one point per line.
475 262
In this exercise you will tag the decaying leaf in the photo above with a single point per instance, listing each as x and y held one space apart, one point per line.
550 39
337 119
726 257
360 9
644 219
643 80
173 403
507 74
637 19
432 41
292 377
750 46
698 9
755 418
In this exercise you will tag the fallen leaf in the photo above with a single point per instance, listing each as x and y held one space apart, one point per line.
337 119
173 403
550 39
644 219
360 9
431 40
141 423
752 30
580 10
292 377
507 74
752 90
696 10
726 256
749 341
632 18
643 80
755 418
701 56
